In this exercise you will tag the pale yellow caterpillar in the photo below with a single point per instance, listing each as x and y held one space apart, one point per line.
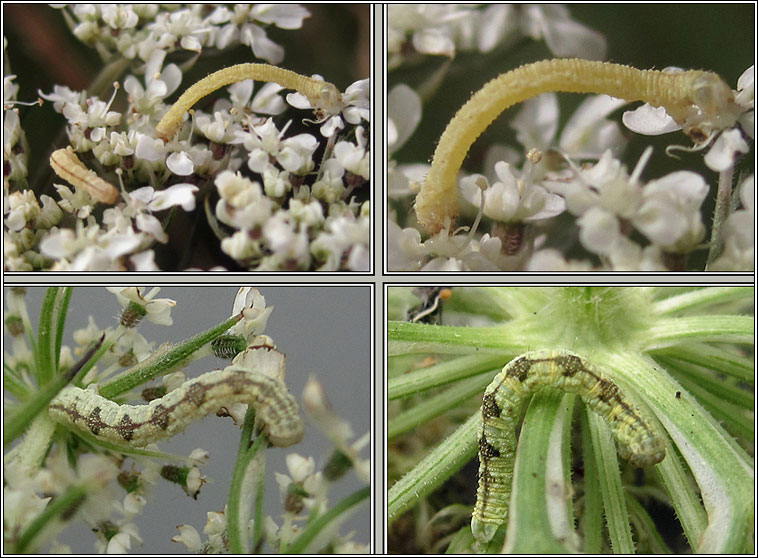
321 94
67 165
638 441
699 101
138 425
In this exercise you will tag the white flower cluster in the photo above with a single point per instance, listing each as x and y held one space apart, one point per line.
441 29
301 203
138 30
527 195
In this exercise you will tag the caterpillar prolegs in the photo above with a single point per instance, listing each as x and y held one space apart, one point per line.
138 425
638 442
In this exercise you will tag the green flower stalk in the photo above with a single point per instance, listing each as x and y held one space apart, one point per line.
682 356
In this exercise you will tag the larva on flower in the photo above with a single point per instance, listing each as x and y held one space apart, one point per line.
321 94
67 165
637 439
699 101
138 425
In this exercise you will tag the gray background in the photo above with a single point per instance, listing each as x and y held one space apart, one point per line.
324 331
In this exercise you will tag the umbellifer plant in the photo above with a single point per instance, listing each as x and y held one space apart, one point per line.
187 150
666 371
81 434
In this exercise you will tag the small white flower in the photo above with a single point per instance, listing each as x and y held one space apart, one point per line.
190 538
157 310
252 305
669 212
119 17
180 164
739 239
242 202
511 199
403 115
405 251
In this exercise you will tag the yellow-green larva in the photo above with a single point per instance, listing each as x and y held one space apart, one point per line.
138 425
321 94
702 96
67 165
637 439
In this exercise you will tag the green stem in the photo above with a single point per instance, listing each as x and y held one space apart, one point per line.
720 214
443 373
683 494
238 542
45 346
591 521
436 405
20 420
164 362
541 521
703 299
611 489
59 506
724 329
62 310
319 524
442 462
405 338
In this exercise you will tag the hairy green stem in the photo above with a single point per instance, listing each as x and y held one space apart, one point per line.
320 523
164 362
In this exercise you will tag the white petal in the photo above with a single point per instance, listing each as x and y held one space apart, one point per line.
152 226
721 156
404 110
180 164
178 194
599 230
650 121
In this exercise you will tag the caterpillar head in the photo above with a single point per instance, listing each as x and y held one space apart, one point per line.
329 99
714 105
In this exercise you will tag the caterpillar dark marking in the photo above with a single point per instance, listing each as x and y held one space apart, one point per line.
276 409
638 442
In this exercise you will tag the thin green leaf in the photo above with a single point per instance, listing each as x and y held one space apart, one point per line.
442 462
164 362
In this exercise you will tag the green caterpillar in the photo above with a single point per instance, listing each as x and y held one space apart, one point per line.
138 425
638 442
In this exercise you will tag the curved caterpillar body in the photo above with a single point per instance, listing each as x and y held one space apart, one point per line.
321 94
139 425
637 440
695 99
67 165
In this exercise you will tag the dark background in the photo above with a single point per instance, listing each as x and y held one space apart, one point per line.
715 37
